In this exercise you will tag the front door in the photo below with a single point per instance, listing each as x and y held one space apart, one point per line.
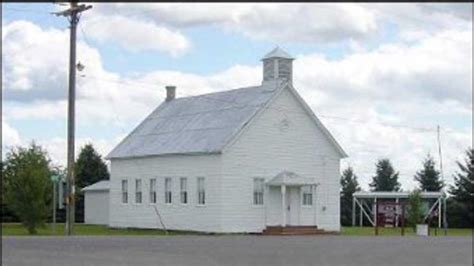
292 205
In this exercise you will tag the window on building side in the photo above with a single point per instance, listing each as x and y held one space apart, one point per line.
307 195
153 190
138 191
183 194
201 191
124 191
258 185
168 195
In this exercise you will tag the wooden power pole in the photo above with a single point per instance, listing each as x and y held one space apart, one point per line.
73 15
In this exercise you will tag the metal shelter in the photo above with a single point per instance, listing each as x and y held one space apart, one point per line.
364 199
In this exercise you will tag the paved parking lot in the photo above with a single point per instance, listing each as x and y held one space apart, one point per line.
237 250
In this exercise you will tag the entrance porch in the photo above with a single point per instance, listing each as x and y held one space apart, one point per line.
292 207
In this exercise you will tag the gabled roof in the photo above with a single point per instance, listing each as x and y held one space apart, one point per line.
200 124
288 178
205 124
277 53
99 186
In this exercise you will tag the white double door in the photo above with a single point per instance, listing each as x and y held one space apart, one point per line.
292 205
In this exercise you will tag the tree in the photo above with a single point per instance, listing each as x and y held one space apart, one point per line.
349 185
28 185
428 177
89 169
385 179
415 209
463 190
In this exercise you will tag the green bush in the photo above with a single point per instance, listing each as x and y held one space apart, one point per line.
28 187
415 209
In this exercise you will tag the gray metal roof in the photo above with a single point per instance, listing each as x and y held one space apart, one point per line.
196 124
279 53
101 185
394 194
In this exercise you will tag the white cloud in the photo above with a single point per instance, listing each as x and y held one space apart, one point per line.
136 35
285 22
438 68
57 147
428 17
422 82
277 22
10 136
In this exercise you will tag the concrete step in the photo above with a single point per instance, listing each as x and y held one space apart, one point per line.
295 230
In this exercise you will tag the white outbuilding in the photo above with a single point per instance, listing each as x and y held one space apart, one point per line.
241 160
96 203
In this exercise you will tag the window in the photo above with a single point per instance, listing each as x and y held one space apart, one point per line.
183 194
153 190
258 191
307 195
124 191
168 190
201 191
138 191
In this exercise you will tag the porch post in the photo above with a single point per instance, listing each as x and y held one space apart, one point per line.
283 205
266 197
313 188
439 212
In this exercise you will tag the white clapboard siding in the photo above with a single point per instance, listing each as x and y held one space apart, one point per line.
266 148
175 215
96 207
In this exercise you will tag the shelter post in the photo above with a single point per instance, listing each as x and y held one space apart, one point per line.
353 211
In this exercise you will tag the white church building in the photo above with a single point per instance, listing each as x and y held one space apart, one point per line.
241 160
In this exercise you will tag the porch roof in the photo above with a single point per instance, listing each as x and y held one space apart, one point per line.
288 178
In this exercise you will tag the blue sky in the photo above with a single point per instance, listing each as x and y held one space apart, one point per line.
363 68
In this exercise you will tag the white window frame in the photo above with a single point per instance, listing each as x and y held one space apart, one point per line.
307 196
183 190
153 190
258 191
138 191
124 191
201 191
168 190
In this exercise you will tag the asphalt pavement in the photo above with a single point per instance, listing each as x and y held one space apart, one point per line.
237 250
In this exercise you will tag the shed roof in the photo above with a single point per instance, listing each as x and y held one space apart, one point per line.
394 194
99 186
196 124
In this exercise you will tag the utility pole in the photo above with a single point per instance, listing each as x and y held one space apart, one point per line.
73 15
445 224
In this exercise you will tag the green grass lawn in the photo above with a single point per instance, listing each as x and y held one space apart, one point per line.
370 231
16 229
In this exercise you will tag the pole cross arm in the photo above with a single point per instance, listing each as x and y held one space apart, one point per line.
70 11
